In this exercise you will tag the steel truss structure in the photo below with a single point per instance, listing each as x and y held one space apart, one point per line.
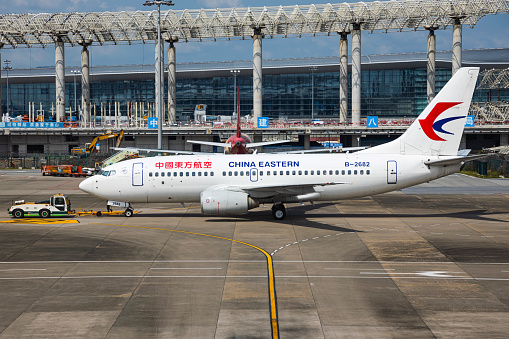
494 79
27 30
491 111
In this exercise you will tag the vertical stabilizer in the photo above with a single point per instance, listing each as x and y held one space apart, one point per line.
439 128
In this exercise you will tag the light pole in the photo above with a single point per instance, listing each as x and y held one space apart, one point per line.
75 71
313 69
235 72
159 76
7 68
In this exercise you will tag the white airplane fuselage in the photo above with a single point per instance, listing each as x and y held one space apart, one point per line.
183 178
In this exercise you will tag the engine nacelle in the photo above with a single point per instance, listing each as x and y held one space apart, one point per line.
221 202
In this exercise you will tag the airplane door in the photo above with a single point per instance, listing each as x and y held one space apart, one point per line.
253 174
138 174
392 172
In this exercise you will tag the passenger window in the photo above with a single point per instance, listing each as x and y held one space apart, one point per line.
268 172
199 174
149 174
162 174
355 172
211 174
175 174
281 172
368 172
187 174
169 174
261 173
317 172
349 172
205 173
224 173
230 173
275 173
300 172
330 172
181 174
287 172
236 173
361 172
293 172
312 172
343 172
305 172
157 174
194 174
337 172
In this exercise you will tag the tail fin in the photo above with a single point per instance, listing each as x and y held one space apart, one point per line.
438 129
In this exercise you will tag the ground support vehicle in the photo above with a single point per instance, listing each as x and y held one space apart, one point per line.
64 171
56 206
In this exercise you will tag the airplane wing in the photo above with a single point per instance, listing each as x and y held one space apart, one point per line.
210 143
282 189
455 161
324 150
266 143
148 150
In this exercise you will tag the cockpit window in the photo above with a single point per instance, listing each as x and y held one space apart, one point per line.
100 172
112 173
106 173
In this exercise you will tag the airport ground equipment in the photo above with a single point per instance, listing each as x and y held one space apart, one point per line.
128 212
119 156
90 147
57 205
64 171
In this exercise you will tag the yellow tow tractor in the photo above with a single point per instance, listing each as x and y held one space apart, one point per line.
90 147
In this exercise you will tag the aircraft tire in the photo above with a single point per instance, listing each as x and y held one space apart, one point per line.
128 212
278 212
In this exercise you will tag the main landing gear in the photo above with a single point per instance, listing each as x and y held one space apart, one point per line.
278 211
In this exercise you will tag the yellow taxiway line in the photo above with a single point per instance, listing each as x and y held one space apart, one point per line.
270 270
39 221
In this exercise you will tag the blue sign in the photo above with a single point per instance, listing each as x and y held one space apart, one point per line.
152 123
470 121
263 122
372 122
24 124
332 144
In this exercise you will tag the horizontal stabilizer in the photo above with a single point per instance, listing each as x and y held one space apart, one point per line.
454 161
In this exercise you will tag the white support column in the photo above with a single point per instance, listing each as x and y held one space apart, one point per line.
85 80
59 79
456 45
356 74
430 68
257 72
172 80
158 79
343 77
1 108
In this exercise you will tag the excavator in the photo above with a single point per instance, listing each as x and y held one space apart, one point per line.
90 147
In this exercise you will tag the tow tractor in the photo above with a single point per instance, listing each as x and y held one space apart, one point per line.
57 205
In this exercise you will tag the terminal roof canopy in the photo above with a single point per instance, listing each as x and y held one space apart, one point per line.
26 30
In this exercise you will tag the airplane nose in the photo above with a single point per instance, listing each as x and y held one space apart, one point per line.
87 185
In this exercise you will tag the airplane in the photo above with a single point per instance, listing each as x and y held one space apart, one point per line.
238 143
226 185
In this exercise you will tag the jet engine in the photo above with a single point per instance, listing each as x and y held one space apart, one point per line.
222 202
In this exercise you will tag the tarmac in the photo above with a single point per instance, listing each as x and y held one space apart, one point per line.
426 262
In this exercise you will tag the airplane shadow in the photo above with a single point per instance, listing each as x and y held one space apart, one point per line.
300 216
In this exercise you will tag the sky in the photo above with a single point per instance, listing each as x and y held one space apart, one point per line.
490 32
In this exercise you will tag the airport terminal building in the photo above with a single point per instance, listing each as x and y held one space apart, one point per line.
393 86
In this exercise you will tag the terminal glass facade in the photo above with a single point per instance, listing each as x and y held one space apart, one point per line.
387 93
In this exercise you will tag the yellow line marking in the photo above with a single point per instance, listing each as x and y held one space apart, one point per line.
270 270
40 221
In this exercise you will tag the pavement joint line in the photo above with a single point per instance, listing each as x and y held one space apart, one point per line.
270 270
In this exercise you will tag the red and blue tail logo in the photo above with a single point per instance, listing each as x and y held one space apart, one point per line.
430 126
